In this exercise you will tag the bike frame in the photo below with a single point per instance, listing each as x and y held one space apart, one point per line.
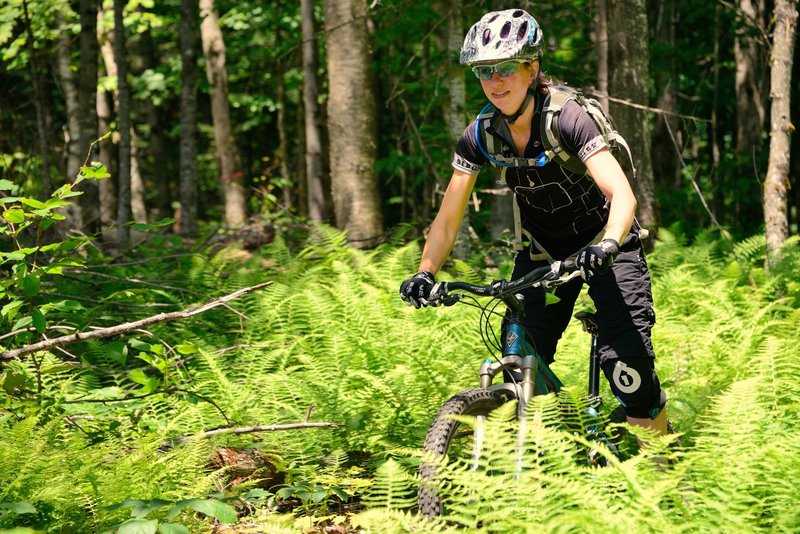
521 357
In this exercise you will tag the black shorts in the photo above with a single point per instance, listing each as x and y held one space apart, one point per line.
623 302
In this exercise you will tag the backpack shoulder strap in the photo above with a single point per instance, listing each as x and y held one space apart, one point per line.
554 103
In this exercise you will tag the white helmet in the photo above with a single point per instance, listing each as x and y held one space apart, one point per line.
499 35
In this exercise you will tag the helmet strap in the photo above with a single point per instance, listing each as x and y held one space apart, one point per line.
511 119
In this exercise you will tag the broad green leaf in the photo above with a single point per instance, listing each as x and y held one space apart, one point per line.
148 384
138 526
138 345
187 348
94 171
64 305
18 507
38 321
117 351
7 185
172 528
56 203
31 285
210 507
13 379
13 256
22 322
14 215
58 368
11 308
32 202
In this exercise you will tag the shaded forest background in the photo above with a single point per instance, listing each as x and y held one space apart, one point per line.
254 136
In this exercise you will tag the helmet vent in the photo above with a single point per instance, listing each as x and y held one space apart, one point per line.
518 13
494 18
522 33
487 36
505 30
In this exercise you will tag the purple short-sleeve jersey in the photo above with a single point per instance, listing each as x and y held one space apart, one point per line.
561 209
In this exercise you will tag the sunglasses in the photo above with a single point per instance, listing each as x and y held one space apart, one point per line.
504 69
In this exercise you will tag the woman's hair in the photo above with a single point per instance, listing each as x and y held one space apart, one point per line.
543 83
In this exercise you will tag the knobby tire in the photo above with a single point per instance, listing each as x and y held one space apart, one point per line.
443 430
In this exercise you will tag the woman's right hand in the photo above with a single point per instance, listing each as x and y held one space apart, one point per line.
417 289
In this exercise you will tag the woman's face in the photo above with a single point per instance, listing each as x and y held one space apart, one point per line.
508 94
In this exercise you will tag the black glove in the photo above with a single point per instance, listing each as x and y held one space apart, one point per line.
595 260
417 289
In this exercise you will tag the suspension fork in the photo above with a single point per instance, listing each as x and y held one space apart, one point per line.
594 369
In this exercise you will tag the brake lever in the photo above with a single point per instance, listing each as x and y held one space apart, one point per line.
555 276
439 296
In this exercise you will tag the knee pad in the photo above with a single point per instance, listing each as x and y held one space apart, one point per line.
636 386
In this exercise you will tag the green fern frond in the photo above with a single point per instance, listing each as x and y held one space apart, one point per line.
392 488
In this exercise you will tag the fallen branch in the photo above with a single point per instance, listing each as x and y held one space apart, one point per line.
252 430
125 327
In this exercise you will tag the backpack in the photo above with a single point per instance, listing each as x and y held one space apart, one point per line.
501 156
554 102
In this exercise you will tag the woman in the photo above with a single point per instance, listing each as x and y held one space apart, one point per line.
564 214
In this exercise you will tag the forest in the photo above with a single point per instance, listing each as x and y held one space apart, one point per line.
208 208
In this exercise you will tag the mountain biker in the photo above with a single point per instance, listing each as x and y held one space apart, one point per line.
587 216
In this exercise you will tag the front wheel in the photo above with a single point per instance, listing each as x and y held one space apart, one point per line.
449 439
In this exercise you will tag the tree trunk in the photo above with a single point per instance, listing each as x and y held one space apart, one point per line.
628 58
718 200
188 149
124 184
138 205
161 171
455 116
105 101
750 74
602 52
667 138
230 161
75 152
777 180
39 102
107 191
352 142
283 143
87 109
137 201
318 187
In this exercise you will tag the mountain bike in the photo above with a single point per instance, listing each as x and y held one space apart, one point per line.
524 372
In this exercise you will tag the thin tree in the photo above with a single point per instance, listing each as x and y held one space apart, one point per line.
666 131
776 183
39 100
107 191
749 50
455 117
124 181
352 123
188 146
601 17
317 186
628 58
66 78
106 40
230 161
87 107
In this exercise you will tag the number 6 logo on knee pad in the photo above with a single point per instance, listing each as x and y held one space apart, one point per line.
627 379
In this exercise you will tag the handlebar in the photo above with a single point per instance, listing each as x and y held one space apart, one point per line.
547 277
